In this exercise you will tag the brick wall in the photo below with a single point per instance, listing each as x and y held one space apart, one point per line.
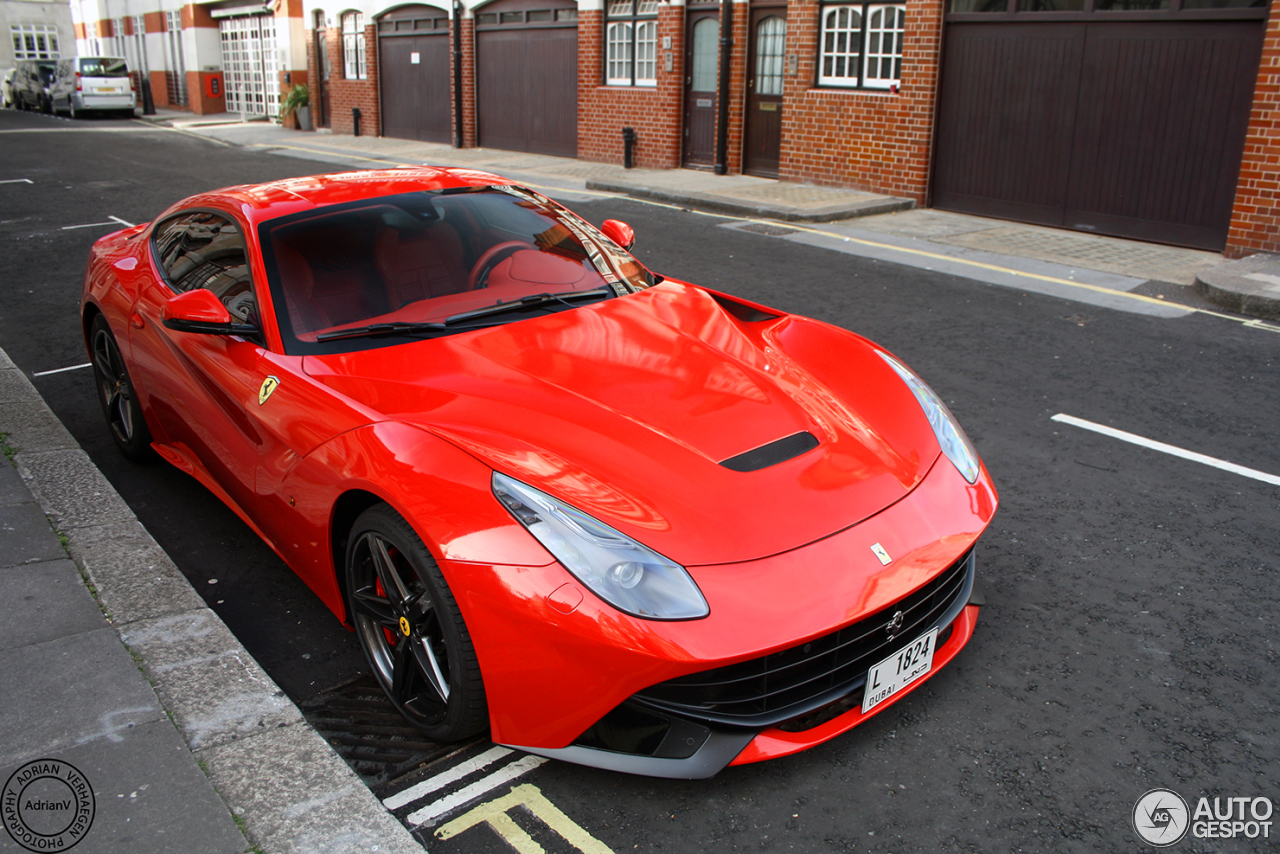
468 82
869 140
654 112
201 102
345 94
1255 220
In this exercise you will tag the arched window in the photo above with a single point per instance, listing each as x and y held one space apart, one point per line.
631 43
353 59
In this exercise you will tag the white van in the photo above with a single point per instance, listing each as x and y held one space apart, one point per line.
93 83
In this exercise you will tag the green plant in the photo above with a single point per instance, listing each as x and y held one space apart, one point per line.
298 97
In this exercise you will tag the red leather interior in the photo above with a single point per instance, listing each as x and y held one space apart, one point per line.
420 264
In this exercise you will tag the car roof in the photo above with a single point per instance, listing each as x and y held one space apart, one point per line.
261 202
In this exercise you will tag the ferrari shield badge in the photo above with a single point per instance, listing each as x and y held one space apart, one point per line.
881 554
268 386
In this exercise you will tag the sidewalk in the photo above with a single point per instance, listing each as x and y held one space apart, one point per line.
1202 280
118 673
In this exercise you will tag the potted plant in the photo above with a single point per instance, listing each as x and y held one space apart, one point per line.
298 103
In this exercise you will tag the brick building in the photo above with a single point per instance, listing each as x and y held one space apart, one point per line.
206 57
1152 119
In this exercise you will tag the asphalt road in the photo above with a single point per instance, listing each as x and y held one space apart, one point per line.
1130 637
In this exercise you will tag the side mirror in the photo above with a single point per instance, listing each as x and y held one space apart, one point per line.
619 232
200 311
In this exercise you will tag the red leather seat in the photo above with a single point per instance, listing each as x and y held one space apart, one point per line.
417 264
316 303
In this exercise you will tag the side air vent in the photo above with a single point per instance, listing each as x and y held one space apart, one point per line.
773 453
742 311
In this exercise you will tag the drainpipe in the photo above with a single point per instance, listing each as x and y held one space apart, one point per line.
722 87
457 74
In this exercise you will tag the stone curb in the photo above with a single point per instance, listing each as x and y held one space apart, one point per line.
827 213
1232 285
286 787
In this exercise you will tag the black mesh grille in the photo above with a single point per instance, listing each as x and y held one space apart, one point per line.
766 691
773 453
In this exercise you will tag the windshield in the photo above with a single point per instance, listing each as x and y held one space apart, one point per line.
103 67
427 257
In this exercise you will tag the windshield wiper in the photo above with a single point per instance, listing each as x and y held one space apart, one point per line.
531 301
373 330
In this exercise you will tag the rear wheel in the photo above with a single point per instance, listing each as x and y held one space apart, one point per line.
411 628
116 394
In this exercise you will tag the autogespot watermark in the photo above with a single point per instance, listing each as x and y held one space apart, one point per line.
1161 818
47 805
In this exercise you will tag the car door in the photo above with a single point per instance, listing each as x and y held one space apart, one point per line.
198 386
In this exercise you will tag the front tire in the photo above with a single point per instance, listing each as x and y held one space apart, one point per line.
411 629
116 394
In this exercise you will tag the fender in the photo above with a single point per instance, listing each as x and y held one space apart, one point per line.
443 492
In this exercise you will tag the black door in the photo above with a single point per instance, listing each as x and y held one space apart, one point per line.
1130 128
763 144
321 113
701 73
413 67
527 77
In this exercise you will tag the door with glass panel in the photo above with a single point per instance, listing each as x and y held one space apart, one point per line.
763 142
701 71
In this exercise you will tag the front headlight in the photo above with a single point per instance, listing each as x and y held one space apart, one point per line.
955 444
632 578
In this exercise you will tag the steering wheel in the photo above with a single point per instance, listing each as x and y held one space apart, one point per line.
492 255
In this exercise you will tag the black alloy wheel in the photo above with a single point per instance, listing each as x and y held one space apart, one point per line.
411 629
116 394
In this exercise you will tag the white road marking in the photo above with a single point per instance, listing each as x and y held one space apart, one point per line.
60 370
122 222
1167 449
90 225
17 181
443 779
475 790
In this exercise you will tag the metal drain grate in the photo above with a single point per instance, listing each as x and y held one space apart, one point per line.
764 228
360 723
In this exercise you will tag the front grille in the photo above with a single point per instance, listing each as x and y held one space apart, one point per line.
768 690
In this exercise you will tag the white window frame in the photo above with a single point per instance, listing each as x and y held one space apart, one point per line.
631 43
34 41
354 62
866 49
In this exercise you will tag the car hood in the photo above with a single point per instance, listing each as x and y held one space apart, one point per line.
626 409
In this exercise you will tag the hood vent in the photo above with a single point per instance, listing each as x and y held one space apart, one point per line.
773 453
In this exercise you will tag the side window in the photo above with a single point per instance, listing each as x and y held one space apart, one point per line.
206 250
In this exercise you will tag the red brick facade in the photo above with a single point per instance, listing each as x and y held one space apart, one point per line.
1255 220
871 140
346 95
654 112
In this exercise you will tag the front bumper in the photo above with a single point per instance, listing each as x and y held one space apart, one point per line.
557 661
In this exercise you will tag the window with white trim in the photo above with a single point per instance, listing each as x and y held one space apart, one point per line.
860 45
34 41
631 43
353 59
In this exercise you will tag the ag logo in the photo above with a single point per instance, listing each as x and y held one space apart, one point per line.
268 386
1160 817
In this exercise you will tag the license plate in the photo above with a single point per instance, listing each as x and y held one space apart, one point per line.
106 90
899 670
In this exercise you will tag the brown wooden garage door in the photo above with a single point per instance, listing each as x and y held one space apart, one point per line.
527 77
413 72
1132 128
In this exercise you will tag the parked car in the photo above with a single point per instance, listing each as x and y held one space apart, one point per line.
616 519
32 80
93 83
6 87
